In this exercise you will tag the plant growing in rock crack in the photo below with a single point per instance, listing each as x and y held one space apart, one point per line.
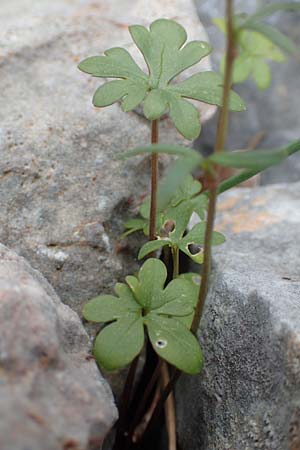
169 313
166 56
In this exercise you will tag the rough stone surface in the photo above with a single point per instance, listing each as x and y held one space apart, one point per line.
275 111
248 396
63 197
52 394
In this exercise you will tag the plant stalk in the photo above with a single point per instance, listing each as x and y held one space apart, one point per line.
175 255
170 408
143 403
212 177
124 404
212 182
154 181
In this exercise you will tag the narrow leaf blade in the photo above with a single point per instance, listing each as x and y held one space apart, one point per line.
268 10
163 148
254 160
152 246
104 309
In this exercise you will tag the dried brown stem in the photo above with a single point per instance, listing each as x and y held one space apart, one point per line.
142 404
169 409
124 403
141 427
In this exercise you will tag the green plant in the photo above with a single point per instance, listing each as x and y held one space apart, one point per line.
169 312
162 48
163 51
256 43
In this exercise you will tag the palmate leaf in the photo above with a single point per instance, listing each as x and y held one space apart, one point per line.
164 50
143 300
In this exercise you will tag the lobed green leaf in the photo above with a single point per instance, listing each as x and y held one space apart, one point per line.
173 342
117 63
107 307
207 87
119 343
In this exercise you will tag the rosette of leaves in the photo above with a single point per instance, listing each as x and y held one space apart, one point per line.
186 199
144 303
257 43
166 57
173 222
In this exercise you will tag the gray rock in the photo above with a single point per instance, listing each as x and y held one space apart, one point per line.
275 111
248 396
63 196
52 394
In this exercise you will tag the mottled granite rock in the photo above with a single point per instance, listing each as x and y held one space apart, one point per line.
52 394
248 396
63 197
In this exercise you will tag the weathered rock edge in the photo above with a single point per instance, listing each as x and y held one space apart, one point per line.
52 394
248 396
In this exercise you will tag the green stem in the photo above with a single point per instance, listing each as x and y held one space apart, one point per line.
154 180
246 174
212 180
152 236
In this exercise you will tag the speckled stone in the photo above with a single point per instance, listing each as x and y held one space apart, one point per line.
63 195
53 396
248 396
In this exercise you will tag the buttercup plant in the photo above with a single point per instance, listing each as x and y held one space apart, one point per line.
167 313
166 57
